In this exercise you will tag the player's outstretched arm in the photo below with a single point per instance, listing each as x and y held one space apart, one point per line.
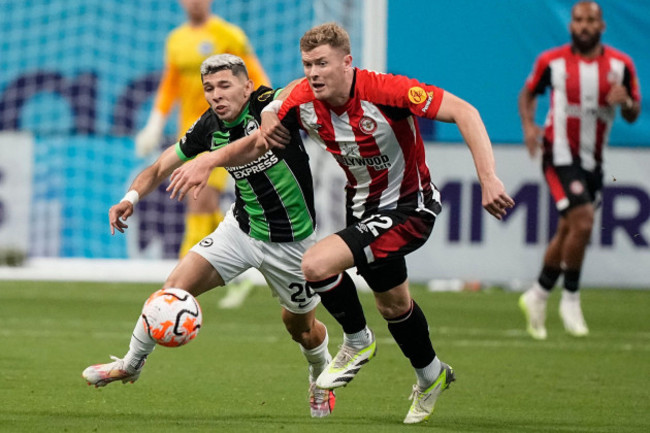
144 183
195 173
468 120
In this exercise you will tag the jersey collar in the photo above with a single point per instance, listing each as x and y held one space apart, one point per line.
239 118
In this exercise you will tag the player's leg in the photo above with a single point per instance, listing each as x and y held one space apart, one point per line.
217 258
408 326
580 220
533 301
193 274
281 268
324 268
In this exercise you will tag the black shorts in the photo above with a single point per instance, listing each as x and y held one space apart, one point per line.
572 185
380 242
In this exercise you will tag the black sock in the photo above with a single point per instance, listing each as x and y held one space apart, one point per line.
411 332
548 277
572 280
338 295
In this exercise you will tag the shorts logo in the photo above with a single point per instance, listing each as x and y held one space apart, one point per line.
206 242
417 95
576 187
367 125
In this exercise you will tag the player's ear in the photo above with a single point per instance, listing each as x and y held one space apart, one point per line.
249 87
347 61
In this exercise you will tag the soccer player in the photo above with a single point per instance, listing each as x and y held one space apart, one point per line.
186 47
588 81
367 121
269 226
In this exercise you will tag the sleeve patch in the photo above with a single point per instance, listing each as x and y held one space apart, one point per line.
417 95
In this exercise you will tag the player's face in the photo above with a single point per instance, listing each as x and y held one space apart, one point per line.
325 68
586 26
226 93
196 9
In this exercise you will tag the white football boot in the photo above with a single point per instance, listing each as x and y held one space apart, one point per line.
424 400
103 374
533 304
571 314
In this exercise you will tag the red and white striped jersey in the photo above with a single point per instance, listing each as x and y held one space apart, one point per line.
579 119
375 139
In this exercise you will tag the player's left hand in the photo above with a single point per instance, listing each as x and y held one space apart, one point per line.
192 174
495 200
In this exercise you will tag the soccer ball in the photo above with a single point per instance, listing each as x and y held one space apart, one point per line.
172 317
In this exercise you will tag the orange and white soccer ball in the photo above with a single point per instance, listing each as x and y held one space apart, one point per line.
172 317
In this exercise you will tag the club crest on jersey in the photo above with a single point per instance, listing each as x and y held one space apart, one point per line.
367 125
417 95
251 126
206 48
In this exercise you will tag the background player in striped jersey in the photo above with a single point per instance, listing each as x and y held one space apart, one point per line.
367 121
588 80
269 226
203 35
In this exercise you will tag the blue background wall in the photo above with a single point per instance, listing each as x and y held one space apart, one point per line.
482 51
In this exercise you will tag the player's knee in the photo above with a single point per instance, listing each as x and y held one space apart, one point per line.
312 269
394 308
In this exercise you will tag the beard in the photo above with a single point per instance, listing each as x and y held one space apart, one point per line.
584 46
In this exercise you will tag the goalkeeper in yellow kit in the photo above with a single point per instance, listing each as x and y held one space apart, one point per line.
203 35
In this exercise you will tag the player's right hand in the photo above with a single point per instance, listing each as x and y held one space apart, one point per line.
117 214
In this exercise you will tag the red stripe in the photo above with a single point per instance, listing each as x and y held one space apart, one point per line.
326 133
368 148
554 184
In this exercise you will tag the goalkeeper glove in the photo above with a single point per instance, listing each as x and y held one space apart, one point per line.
148 139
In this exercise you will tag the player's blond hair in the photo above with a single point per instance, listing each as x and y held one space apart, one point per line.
219 62
326 34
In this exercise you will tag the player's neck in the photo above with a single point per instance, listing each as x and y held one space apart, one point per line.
589 54
198 21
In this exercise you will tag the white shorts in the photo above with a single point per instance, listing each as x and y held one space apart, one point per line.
231 252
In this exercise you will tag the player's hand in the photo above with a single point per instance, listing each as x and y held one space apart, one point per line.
273 132
146 141
192 174
533 138
617 95
495 200
117 214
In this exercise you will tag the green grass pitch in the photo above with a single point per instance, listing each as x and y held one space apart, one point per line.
244 374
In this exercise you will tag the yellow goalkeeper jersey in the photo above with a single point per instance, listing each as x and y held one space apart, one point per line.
185 50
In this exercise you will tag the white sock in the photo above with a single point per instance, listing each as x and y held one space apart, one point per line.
540 292
359 339
140 347
318 358
570 296
427 375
